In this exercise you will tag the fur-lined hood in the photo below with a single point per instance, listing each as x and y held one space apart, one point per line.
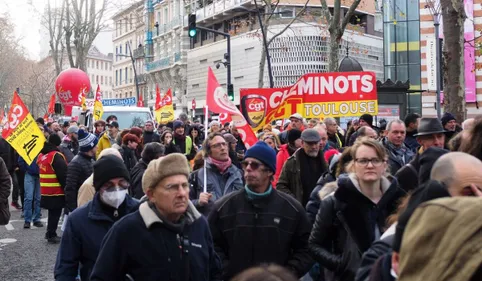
149 217
330 188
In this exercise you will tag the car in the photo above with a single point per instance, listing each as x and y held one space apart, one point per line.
127 116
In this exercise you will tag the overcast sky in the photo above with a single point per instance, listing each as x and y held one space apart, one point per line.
25 14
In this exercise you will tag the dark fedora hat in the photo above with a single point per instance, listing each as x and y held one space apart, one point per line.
429 126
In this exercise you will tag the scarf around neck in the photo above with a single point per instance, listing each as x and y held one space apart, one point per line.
399 152
253 195
221 165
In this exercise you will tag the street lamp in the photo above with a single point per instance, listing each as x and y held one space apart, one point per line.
133 60
435 9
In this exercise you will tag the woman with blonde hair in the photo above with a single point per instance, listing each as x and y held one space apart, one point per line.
272 140
355 214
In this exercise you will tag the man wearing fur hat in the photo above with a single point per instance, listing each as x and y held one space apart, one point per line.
87 226
80 168
258 224
172 239
221 175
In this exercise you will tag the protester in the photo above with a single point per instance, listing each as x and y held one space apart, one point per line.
70 144
366 120
10 158
449 248
411 124
87 190
86 227
303 169
214 127
240 147
149 135
398 153
152 151
265 272
232 142
166 140
196 136
128 150
450 125
296 122
55 128
287 150
351 129
222 176
4 193
430 134
99 128
172 238
272 140
334 137
258 224
183 142
108 139
32 198
53 173
110 119
80 168
354 215
472 140
367 132
313 122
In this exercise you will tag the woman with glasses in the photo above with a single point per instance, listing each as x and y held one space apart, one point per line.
354 215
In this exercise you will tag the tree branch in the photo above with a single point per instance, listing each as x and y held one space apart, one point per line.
326 11
300 12
349 14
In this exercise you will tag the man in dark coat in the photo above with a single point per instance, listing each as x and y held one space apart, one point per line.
398 153
87 226
258 224
149 135
53 174
80 168
172 239
4 193
411 123
10 156
150 152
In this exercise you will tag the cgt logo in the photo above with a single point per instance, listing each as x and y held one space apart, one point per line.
256 106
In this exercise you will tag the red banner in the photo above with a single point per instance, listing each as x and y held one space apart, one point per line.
51 109
218 102
315 95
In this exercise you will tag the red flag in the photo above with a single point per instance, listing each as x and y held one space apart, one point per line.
218 102
167 99
51 109
140 103
158 98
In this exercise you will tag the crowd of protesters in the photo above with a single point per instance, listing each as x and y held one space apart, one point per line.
397 200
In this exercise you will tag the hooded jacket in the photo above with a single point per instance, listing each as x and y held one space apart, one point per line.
84 232
450 247
347 223
159 250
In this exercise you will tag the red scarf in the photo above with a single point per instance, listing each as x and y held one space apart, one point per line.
221 165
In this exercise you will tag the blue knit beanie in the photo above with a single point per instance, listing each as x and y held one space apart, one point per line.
264 153
87 141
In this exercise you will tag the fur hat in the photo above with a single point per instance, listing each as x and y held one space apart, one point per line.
159 169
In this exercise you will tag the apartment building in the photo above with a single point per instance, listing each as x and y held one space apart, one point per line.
99 70
128 43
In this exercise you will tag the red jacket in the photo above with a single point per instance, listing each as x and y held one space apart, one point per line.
281 158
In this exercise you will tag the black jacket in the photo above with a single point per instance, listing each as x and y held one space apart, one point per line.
78 170
411 141
129 157
135 189
345 226
367 270
59 165
151 137
314 202
9 155
4 193
248 232
407 176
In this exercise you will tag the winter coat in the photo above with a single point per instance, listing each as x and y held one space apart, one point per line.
171 148
86 192
5 185
135 189
148 137
69 149
313 205
217 184
161 250
281 158
9 155
104 142
347 224
78 170
411 141
407 176
81 240
290 179
129 157
271 229
336 140
60 166
31 169
394 162
370 267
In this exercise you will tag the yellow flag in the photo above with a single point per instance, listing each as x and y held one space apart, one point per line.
98 107
22 132
165 111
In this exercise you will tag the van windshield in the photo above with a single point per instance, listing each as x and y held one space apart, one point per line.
127 119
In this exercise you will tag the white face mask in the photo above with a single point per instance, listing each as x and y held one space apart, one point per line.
114 198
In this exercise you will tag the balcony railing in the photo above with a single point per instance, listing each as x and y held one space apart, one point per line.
138 53
166 27
164 62
217 7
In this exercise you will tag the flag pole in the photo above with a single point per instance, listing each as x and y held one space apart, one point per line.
206 114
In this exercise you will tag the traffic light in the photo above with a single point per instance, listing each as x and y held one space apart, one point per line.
192 25
231 92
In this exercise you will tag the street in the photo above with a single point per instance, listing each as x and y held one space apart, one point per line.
24 253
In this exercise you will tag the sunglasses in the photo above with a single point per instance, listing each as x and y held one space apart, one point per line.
254 165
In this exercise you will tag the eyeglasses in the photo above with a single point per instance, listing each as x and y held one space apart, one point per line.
219 145
376 162
175 187
110 186
254 165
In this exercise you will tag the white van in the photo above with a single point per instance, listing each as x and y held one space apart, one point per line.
127 116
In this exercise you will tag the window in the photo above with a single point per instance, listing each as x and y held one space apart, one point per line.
97 64
126 75
130 94
102 80
130 22
92 79
120 51
159 17
116 78
97 79
286 12
110 80
166 15
120 27
120 76
101 65
127 52
116 52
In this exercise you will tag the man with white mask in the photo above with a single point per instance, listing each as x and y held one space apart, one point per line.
87 226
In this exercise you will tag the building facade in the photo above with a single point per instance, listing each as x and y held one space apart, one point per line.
128 43
302 48
99 70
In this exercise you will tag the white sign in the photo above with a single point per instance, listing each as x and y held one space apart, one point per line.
431 64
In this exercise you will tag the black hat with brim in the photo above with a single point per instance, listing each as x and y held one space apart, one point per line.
429 126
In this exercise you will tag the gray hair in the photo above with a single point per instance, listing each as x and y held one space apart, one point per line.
330 120
109 151
397 121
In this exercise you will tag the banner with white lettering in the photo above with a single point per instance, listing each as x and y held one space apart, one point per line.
315 95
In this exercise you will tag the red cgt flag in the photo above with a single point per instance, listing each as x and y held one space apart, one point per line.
158 98
140 103
218 102
51 109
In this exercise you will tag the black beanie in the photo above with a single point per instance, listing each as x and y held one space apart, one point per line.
367 118
109 167
293 135
55 139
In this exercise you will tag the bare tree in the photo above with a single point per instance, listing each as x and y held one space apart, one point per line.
336 27
453 17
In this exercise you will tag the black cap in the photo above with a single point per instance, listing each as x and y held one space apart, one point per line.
109 167
293 135
66 124
310 135
113 124
55 139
